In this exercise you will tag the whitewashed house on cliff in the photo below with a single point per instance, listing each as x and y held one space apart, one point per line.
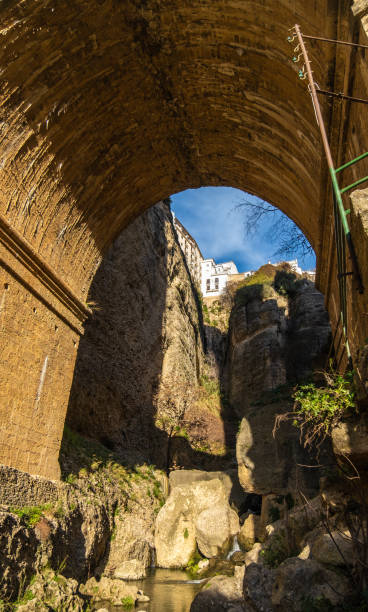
211 277
190 248
214 277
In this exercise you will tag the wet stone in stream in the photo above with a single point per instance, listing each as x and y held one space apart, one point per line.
168 590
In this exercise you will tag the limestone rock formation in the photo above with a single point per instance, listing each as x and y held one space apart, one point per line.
100 525
335 549
196 514
299 581
274 341
350 439
144 338
53 591
221 593
113 590
250 531
255 358
257 586
229 479
18 559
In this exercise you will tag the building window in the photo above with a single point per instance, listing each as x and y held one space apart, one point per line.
208 285
216 284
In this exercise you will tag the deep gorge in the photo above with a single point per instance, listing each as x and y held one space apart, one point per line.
169 455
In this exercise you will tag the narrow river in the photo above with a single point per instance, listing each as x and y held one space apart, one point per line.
168 590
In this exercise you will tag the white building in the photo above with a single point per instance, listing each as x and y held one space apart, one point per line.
210 276
293 263
190 248
215 277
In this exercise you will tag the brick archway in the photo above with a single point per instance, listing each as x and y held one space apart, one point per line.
110 106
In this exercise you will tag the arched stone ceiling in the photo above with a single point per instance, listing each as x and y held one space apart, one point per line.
107 106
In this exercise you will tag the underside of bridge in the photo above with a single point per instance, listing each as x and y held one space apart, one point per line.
108 107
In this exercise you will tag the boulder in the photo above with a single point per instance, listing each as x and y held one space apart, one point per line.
268 463
193 514
325 548
249 532
113 590
213 527
130 548
254 555
229 479
257 587
301 521
133 569
203 565
301 581
178 478
220 593
350 439
52 591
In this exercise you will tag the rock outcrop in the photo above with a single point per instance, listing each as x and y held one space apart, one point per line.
194 515
221 593
143 341
101 525
274 341
301 582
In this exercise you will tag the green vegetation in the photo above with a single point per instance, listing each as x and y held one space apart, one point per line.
257 290
128 602
216 314
263 284
210 385
319 408
181 432
24 596
31 514
192 567
286 283
186 534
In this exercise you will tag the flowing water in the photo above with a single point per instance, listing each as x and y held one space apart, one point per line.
168 590
235 547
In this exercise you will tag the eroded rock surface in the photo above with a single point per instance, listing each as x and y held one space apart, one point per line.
143 341
196 514
274 342
221 593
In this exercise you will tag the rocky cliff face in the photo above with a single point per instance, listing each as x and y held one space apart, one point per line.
143 341
99 524
274 341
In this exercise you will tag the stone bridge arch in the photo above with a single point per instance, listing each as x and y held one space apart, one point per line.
108 107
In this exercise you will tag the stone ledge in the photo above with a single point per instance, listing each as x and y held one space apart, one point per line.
19 488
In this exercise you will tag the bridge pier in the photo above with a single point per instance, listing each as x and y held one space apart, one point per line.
40 326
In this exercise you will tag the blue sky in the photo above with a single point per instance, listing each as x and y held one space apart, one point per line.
210 217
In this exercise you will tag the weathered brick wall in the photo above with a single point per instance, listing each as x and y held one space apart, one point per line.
39 340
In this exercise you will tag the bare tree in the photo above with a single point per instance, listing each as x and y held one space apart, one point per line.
173 398
290 239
